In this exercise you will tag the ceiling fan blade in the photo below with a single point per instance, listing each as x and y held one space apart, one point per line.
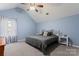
41 6
36 10
23 3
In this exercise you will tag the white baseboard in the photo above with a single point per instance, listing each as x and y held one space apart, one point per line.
75 46
21 40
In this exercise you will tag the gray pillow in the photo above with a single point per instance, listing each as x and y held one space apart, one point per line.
50 34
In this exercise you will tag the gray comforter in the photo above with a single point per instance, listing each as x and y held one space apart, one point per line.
41 41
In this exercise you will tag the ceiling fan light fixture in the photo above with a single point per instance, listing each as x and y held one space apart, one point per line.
32 8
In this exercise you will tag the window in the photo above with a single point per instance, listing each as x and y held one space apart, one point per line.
11 28
8 27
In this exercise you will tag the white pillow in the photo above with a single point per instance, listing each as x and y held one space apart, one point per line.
45 33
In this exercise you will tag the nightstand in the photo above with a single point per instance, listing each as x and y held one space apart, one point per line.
64 40
2 45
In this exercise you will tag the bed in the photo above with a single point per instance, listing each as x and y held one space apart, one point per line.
41 42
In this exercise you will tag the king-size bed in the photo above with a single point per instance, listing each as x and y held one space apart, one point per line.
42 42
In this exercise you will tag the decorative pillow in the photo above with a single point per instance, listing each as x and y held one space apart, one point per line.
45 33
42 33
50 33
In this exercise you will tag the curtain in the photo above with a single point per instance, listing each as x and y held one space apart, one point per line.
8 29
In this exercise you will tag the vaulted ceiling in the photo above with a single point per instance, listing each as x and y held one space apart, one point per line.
55 10
6 6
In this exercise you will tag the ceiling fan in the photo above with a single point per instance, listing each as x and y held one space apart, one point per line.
37 7
34 6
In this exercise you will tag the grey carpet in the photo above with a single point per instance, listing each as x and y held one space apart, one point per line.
23 49
63 50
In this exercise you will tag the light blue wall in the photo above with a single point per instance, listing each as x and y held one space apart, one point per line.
68 25
25 25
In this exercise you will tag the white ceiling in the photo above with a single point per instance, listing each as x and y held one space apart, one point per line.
55 10
5 6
